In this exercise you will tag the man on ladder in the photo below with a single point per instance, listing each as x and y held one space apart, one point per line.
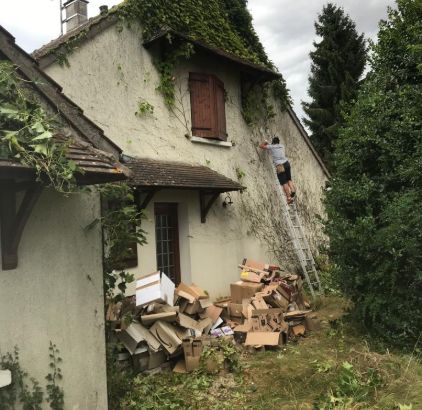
282 166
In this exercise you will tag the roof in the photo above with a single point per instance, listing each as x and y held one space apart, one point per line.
52 93
153 174
88 146
46 54
264 73
95 166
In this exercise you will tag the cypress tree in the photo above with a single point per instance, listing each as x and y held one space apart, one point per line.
337 65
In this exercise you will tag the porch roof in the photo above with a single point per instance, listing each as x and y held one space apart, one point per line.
152 174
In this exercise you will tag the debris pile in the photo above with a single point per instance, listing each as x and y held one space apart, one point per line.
265 308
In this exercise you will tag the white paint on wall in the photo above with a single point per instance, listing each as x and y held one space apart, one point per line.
111 73
56 294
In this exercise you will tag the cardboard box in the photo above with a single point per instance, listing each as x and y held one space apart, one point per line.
166 316
134 335
264 339
259 303
155 287
244 290
192 349
166 334
184 295
192 308
193 290
235 309
180 367
156 359
140 359
255 265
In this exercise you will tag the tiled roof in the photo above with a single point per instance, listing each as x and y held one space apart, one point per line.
150 174
88 146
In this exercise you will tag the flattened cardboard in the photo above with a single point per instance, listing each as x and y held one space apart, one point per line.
166 316
297 314
134 335
192 308
298 330
166 334
249 276
259 303
213 312
255 265
263 339
187 322
246 327
205 303
154 287
244 290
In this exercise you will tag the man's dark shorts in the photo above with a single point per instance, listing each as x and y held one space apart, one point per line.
286 176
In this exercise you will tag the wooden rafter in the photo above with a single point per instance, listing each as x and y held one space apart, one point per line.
13 221
143 203
206 201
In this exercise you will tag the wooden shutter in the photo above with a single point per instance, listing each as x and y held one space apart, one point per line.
207 97
203 112
220 103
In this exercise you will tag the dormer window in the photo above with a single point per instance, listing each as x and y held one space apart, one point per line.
207 98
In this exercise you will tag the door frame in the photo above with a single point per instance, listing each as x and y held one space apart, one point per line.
170 208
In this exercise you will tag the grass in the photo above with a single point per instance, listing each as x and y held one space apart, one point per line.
333 368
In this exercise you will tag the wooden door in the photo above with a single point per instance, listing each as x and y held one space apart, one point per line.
167 240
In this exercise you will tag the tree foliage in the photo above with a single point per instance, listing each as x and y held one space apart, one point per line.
374 218
27 132
337 65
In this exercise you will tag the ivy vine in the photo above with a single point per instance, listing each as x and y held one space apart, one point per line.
29 134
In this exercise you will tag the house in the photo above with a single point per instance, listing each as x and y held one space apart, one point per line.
173 100
51 275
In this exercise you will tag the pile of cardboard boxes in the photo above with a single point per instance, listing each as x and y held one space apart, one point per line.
266 308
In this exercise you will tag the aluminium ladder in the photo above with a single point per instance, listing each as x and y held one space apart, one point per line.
298 238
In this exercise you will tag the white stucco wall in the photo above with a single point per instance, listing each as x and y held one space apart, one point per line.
111 73
56 294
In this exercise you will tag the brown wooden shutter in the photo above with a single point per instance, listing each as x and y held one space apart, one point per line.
220 107
203 111
208 103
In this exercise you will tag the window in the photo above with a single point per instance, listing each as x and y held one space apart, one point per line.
207 97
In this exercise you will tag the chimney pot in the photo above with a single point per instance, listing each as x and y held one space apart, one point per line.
76 13
103 10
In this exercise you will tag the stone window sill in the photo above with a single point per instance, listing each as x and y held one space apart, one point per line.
216 143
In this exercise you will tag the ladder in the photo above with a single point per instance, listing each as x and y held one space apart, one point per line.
298 238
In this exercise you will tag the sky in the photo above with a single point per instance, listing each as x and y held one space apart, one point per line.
285 27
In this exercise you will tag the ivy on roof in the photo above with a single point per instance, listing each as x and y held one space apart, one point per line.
224 24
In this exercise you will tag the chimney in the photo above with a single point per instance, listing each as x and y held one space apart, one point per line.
76 13
103 10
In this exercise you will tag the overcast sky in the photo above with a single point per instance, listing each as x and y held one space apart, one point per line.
286 28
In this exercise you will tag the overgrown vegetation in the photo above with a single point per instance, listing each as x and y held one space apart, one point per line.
374 219
27 133
338 62
122 232
20 393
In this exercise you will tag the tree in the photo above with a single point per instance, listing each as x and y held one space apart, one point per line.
373 208
337 65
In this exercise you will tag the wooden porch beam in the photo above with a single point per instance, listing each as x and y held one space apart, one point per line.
206 203
142 204
13 223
